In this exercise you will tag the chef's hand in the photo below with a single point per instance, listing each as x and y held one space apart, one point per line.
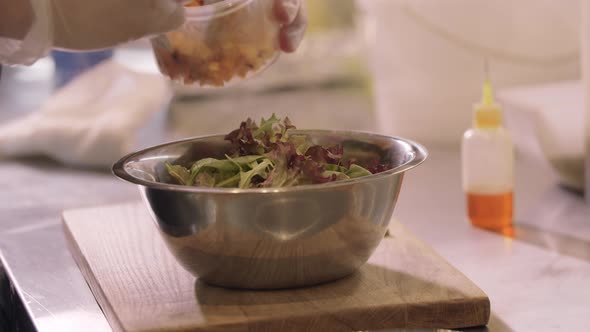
291 13
29 28
88 25
125 20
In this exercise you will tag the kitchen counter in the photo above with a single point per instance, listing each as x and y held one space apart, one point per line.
537 279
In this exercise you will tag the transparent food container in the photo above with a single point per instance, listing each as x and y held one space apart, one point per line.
220 43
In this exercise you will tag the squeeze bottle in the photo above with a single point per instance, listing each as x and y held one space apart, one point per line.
487 155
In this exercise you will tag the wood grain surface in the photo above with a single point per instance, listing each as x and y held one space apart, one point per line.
140 286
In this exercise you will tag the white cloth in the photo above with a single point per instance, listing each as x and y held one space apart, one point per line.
92 121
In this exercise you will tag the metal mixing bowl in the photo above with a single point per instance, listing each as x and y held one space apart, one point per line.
272 238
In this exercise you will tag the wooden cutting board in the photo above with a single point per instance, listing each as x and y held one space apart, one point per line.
140 286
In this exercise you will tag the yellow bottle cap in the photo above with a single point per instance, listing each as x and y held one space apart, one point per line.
487 114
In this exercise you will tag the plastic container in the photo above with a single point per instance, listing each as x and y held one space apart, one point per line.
220 43
547 124
488 167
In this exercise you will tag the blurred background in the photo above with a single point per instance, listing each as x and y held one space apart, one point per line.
407 68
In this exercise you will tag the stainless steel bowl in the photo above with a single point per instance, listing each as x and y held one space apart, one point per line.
272 238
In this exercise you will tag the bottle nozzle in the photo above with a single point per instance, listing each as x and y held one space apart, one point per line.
487 92
487 114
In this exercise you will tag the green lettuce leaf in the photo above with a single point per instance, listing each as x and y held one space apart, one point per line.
356 171
229 182
225 167
179 173
245 161
220 165
267 126
336 168
337 176
260 169
301 143
204 179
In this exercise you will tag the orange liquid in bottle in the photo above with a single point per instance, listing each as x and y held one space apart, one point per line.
491 211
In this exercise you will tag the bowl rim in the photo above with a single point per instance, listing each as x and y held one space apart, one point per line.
420 155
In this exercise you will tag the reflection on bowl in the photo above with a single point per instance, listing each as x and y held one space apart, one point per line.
274 237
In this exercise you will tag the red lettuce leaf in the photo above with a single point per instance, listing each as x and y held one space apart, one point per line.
326 155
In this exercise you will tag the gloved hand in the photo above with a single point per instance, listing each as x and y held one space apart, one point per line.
88 25
91 25
29 30
129 20
292 14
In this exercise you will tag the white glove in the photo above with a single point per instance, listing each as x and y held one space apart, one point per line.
96 119
292 14
80 25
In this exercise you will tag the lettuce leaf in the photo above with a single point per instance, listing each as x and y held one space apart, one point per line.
179 173
336 168
287 166
356 171
229 182
337 175
204 179
257 169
